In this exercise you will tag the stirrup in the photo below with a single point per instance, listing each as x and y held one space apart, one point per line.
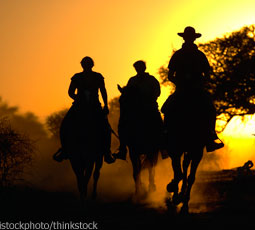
59 156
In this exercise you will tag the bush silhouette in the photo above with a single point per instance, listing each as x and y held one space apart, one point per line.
16 151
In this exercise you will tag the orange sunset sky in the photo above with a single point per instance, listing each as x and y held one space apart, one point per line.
43 41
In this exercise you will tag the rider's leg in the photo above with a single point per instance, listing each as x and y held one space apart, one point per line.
62 154
213 142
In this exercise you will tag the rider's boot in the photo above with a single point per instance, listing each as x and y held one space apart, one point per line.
214 143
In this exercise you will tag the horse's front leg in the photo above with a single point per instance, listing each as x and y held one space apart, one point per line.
86 174
196 158
98 166
185 166
178 197
178 175
137 166
79 173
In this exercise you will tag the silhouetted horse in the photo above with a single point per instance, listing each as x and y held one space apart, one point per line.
186 122
82 135
141 135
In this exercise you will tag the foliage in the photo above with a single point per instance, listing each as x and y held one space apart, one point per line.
53 122
16 151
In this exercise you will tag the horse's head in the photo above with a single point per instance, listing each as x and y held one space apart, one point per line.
122 89
127 97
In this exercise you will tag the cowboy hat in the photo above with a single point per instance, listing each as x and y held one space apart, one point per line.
189 32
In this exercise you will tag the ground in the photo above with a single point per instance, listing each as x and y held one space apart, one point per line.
228 200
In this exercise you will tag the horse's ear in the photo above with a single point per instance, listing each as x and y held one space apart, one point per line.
120 88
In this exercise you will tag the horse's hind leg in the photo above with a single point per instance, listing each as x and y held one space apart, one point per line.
178 197
185 166
152 186
152 160
98 166
196 158
178 175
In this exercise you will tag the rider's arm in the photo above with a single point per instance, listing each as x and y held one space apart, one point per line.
71 90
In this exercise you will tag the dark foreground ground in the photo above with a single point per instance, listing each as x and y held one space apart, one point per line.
228 201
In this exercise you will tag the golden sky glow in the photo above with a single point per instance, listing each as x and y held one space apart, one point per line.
42 42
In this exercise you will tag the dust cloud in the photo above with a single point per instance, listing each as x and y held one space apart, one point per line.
116 182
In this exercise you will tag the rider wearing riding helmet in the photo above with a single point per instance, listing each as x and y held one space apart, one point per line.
83 90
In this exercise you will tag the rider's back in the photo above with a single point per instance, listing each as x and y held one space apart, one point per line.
189 63
88 84
147 90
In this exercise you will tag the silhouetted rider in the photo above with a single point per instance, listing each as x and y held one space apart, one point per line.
188 69
83 90
145 89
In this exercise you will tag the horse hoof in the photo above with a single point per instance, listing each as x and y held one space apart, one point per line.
171 207
172 186
59 156
184 209
177 199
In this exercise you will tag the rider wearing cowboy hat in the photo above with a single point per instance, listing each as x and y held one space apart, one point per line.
188 68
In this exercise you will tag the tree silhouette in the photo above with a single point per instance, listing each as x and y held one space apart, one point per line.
16 151
54 120
232 80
